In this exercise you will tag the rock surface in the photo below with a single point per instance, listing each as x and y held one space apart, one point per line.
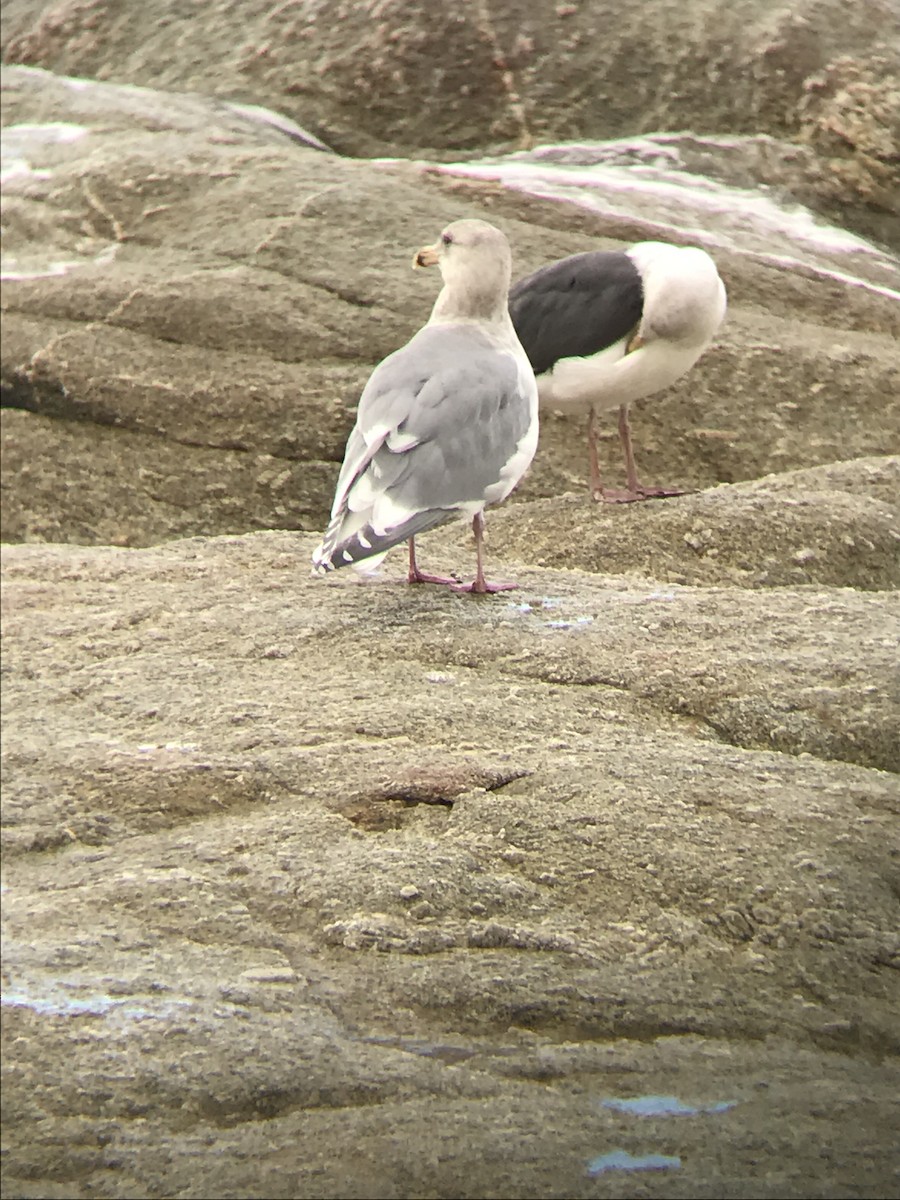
850 115
836 525
308 864
343 888
403 77
402 73
195 300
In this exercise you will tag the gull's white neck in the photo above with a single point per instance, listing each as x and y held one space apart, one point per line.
471 305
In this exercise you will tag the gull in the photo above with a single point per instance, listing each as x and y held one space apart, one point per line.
446 425
606 328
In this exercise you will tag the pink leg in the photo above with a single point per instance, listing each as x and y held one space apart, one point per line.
596 483
598 491
417 576
638 491
634 490
631 478
480 585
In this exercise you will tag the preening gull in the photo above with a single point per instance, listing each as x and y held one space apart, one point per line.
446 424
605 328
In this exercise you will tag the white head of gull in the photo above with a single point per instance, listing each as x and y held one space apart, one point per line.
446 425
606 328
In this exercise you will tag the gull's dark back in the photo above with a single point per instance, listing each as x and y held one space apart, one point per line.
576 307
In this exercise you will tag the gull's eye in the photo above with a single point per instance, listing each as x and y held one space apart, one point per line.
446 239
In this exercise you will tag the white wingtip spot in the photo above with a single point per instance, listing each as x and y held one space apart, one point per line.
399 442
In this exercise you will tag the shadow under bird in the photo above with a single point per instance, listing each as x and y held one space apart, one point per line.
606 328
446 424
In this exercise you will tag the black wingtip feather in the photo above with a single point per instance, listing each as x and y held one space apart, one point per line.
367 544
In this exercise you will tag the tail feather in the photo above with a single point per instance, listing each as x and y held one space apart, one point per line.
343 547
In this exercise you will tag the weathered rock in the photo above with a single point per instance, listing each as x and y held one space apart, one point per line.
227 294
77 481
300 850
851 116
344 888
818 526
367 75
402 77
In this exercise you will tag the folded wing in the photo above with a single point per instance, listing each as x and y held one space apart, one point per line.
444 425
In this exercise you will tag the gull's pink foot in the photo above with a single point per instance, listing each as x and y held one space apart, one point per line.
648 492
483 588
630 495
414 575
423 577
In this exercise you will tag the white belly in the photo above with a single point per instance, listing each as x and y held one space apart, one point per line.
606 380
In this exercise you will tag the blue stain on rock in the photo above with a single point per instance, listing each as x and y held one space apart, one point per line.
621 1160
54 1002
59 1006
664 1106
569 624
525 608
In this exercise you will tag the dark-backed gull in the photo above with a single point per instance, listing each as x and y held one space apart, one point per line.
447 424
605 328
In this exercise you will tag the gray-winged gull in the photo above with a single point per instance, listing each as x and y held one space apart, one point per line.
605 328
446 424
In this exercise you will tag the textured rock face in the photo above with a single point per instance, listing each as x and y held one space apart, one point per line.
409 76
307 862
418 76
201 298
851 117
349 889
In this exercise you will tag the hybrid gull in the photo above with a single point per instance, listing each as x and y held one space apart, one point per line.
446 425
605 328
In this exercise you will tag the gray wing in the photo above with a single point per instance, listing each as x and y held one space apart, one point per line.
438 421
